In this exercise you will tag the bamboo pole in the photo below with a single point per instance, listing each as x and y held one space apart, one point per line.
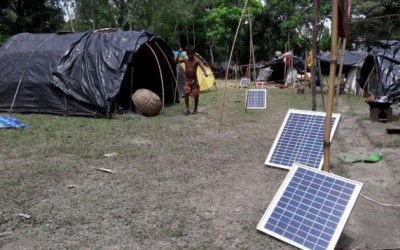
25 69
229 62
174 90
161 75
331 86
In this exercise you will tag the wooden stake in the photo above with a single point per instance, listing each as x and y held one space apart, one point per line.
331 86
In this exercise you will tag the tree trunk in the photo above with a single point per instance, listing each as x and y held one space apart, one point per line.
70 19
314 59
92 9
194 35
211 54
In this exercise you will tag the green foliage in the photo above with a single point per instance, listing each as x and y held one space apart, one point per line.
325 42
375 20
91 14
29 16
209 24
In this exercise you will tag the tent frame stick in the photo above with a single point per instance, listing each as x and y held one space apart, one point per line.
25 68
131 90
172 71
161 75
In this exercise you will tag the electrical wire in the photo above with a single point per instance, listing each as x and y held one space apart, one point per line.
382 204
377 202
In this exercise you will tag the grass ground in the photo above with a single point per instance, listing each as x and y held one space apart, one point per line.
179 182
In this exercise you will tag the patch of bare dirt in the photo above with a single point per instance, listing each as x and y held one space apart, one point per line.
202 189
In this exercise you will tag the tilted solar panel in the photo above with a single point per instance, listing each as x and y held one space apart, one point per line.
310 208
256 99
244 82
301 139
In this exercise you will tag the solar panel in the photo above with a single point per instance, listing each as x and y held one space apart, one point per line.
301 139
310 209
256 99
244 82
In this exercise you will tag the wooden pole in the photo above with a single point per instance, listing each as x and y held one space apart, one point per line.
284 65
331 86
339 77
321 85
304 85
314 60
252 49
229 62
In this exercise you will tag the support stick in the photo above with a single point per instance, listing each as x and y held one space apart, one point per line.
331 86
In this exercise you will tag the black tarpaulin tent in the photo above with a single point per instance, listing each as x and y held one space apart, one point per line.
85 74
380 74
351 60
276 69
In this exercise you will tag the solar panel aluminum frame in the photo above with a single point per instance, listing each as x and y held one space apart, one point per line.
276 141
280 192
264 98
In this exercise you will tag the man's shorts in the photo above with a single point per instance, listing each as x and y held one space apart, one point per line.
192 87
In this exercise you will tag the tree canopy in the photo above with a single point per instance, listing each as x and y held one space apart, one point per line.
375 20
34 16
208 24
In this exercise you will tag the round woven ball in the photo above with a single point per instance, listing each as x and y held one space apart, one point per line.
147 102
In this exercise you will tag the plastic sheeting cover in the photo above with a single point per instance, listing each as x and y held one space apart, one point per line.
382 68
92 69
79 73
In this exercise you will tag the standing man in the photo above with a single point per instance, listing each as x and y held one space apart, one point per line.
192 86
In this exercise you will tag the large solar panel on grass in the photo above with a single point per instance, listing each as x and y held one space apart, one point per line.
301 139
310 209
256 99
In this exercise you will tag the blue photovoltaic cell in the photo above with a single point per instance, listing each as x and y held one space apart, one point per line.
310 209
256 99
301 139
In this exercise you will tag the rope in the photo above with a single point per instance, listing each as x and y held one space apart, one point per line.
229 63
161 76
25 68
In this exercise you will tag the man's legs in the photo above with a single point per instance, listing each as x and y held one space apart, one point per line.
187 111
196 103
196 94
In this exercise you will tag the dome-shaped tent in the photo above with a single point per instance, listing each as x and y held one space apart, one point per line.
83 73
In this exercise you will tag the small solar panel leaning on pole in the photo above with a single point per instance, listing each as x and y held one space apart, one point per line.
256 99
310 209
301 139
244 82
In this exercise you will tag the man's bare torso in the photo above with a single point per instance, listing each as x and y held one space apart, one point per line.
191 69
